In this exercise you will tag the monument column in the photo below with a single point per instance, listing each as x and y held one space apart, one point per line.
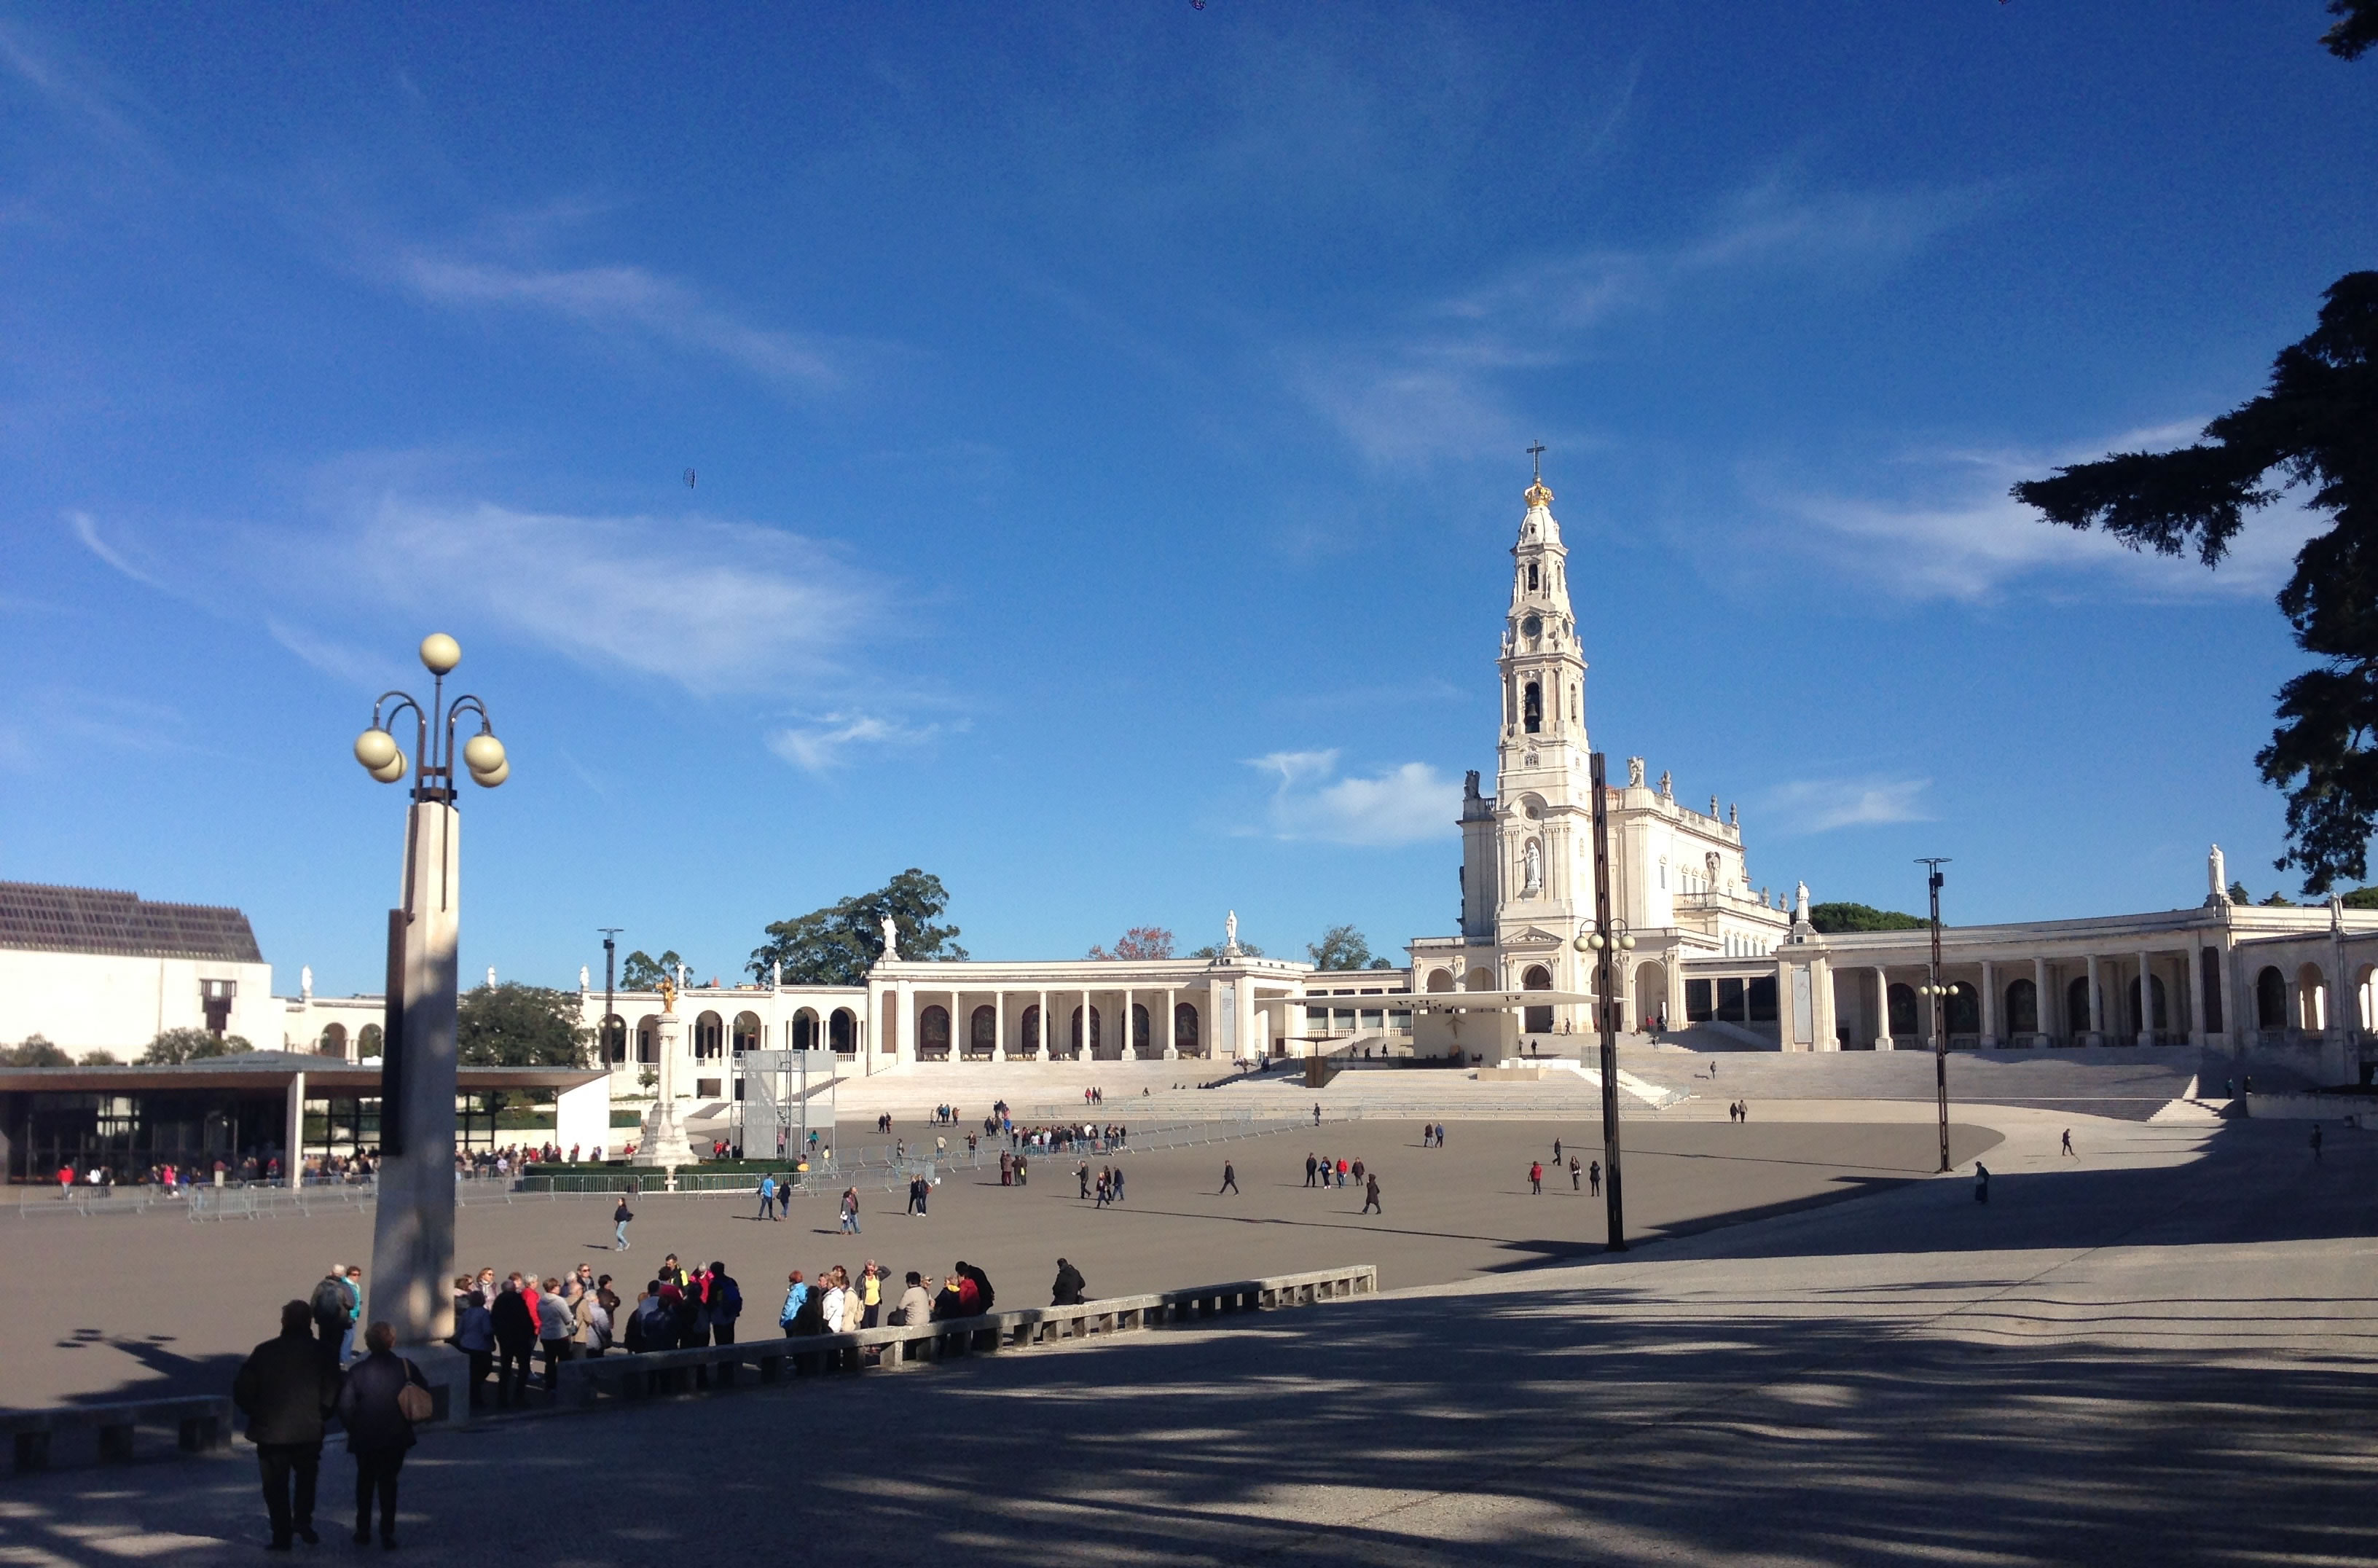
1989 1040
1172 1031
1048 1040
999 1026
2146 1001
662 1140
2097 1005
292 1157
412 1227
1882 1041
1128 1048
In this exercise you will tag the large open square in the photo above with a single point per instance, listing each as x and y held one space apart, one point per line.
125 1305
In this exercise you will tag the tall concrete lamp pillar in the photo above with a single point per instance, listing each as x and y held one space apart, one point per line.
413 1240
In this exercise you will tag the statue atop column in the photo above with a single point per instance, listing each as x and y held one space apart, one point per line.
775 974
1634 773
305 982
585 980
669 997
2216 874
1666 792
891 938
1231 936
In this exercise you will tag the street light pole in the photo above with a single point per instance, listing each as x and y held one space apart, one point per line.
413 1233
1607 940
610 951
1938 994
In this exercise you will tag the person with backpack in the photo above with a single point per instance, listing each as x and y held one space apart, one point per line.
515 1328
724 1302
383 1397
620 1218
332 1311
796 1292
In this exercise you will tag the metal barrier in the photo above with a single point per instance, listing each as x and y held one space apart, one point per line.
202 1421
907 1347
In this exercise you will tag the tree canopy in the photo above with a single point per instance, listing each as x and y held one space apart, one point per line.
36 1052
1214 950
2315 427
1341 947
642 972
1139 942
2356 30
514 1025
837 944
1836 917
192 1044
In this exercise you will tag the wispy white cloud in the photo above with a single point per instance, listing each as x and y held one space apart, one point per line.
86 529
1820 805
1963 537
630 300
1441 385
825 743
73 91
712 605
1401 805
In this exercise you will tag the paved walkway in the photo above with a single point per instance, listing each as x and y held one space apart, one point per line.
2160 1352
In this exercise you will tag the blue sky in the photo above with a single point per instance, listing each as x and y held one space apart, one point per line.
1109 424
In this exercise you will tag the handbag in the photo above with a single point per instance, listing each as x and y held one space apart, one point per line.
412 1401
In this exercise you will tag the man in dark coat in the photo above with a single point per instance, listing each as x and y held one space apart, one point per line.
378 1432
981 1284
515 1343
1067 1291
287 1389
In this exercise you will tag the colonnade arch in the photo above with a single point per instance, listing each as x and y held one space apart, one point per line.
648 1038
933 1035
1538 1021
2023 1008
746 1033
842 1032
1185 1029
2270 998
982 1030
709 1036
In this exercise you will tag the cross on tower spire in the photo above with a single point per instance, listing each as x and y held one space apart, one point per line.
1537 451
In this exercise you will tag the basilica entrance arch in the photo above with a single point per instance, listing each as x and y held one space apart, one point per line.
933 1035
1537 1021
1651 995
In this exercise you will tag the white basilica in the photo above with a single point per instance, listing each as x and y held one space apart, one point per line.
1714 957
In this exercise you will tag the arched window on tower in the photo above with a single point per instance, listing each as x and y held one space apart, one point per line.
1531 708
1532 576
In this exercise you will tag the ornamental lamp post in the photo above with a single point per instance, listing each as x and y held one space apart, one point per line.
413 1235
1937 993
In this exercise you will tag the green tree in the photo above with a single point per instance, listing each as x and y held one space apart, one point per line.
2237 894
2316 426
1344 947
2362 898
1139 942
514 1025
192 1044
98 1058
644 973
1214 950
837 944
36 1052
2279 900
2356 31
1837 917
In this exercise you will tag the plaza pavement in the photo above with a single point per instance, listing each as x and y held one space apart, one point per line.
2159 1352
118 1306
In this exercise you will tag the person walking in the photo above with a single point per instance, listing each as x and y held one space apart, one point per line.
330 1308
1083 1176
1316 1113
620 1218
2068 1145
1106 1192
1594 1179
1536 1177
768 1196
1555 1154
378 1407
850 1210
1230 1179
1572 1173
1371 1195
1067 1291
287 1389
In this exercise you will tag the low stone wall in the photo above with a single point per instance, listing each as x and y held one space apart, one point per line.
2362 1110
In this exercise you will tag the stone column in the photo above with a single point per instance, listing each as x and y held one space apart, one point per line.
1172 1031
1989 1041
2043 1003
2146 1000
662 1140
999 1026
293 1158
2197 1033
1130 1050
903 1014
2097 1005
1882 1041
1245 992
1048 1049
413 1230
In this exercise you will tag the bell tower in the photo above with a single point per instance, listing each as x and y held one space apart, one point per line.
1543 672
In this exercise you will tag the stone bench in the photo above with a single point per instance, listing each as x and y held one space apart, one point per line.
905 1347
203 1421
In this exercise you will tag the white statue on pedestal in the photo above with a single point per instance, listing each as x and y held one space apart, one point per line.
1534 861
585 980
305 982
891 938
662 1140
2216 873
1634 773
1230 934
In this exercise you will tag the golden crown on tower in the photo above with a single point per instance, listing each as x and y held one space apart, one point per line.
1537 495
